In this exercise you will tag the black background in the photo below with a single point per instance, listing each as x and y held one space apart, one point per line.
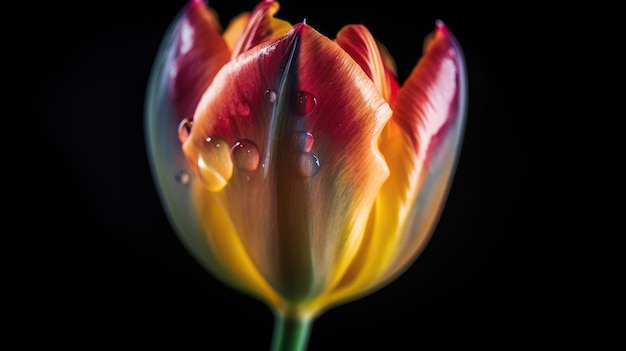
111 270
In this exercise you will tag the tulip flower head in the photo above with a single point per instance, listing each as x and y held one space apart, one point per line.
295 167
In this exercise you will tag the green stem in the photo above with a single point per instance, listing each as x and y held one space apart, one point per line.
291 333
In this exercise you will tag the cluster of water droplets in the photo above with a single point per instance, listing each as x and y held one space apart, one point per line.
217 160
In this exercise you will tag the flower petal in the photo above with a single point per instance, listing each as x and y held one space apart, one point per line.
194 51
280 108
359 43
173 91
421 145
431 109
261 26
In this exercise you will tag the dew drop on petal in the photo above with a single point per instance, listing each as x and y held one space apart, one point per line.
183 177
304 102
245 155
304 141
308 164
214 163
271 95
184 129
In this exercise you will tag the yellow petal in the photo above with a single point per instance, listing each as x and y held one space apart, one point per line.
234 29
223 251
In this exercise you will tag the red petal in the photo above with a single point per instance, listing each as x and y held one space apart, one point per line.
195 52
359 43
432 100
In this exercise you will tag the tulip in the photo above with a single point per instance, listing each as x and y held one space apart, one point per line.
295 167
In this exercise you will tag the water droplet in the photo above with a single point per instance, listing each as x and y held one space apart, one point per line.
214 164
308 164
271 95
245 155
304 141
183 177
184 129
304 102
243 109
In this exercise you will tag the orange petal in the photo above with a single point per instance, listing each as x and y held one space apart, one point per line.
281 108
359 43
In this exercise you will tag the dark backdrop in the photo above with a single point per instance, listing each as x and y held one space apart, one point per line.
110 268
